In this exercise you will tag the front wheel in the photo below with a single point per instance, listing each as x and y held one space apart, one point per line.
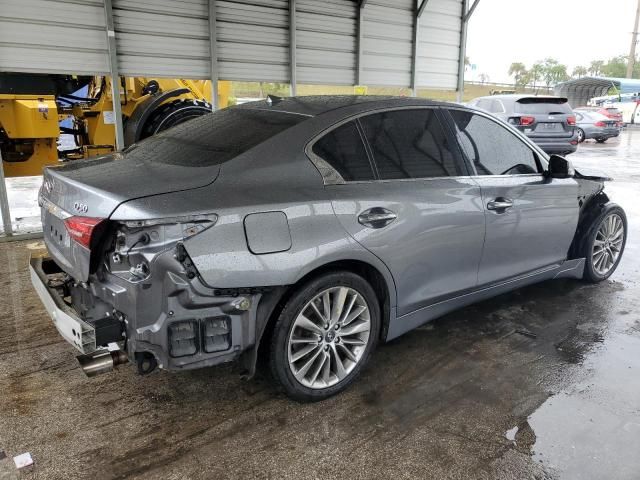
581 135
324 336
601 140
605 244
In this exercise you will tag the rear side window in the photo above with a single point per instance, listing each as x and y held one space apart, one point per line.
543 106
409 144
343 149
492 148
214 138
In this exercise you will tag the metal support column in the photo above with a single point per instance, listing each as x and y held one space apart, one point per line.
115 77
292 48
359 41
4 202
465 16
419 9
213 47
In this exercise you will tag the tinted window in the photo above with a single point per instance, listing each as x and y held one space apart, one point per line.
491 147
484 104
542 106
409 144
496 106
214 138
342 149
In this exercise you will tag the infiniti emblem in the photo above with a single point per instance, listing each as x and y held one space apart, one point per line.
80 207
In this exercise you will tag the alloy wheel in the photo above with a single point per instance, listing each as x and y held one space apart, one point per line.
607 245
329 337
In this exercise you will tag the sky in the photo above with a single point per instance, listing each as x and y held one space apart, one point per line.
572 31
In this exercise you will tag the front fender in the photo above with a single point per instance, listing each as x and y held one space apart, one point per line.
590 210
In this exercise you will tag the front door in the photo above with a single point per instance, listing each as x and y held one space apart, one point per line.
409 199
530 218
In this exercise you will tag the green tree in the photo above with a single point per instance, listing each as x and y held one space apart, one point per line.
579 72
518 71
534 75
558 74
595 68
615 67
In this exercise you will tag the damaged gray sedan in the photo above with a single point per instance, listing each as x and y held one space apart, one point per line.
302 232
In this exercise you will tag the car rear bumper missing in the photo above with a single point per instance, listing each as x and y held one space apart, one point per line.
74 330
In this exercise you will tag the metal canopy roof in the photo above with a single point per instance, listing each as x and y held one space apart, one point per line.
581 90
404 43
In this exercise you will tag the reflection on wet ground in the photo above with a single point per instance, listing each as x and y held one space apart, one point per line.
539 383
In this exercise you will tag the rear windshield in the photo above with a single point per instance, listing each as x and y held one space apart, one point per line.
214 138
613 110
543 106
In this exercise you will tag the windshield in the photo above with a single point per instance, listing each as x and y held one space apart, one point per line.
214 138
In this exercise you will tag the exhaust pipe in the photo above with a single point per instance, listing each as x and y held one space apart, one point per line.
102 362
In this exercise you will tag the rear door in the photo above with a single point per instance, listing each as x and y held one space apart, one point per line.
414 206
530 218
543 117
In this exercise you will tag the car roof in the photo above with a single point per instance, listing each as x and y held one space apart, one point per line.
319 104
520 96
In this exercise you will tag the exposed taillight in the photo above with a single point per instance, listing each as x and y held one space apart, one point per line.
81 229
600 124
571 120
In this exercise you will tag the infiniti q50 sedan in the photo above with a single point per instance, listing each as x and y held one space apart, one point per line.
301 232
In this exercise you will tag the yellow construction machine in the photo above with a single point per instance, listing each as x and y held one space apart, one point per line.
33 105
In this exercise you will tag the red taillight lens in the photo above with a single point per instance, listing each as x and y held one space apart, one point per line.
81 228
571 120
599 124
527 120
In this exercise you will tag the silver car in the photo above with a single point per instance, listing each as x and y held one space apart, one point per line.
301 232
596 126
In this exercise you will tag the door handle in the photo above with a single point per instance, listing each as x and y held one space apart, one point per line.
500 203
376 217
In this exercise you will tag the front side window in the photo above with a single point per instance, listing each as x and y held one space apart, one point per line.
343 150
491 148
409 143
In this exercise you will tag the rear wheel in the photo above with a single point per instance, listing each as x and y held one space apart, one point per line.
605 244
324 336
580 135
601 140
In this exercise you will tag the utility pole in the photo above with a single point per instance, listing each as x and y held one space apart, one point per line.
634 39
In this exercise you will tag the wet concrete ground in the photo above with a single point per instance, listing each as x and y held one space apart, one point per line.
540 383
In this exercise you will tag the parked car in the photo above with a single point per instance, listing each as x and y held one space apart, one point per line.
611 112
305 232
547 120
596 126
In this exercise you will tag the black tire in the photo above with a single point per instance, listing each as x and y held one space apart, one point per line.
601 140
581 136
590 273
173 113
279 346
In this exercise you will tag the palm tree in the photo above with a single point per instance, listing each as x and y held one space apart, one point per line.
595 68
579 72
518 71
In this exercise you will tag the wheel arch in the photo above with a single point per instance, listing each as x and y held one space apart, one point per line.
588 213
272 303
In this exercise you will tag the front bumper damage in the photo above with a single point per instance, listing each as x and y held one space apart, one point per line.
175 321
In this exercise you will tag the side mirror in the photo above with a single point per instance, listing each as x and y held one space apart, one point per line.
560 167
